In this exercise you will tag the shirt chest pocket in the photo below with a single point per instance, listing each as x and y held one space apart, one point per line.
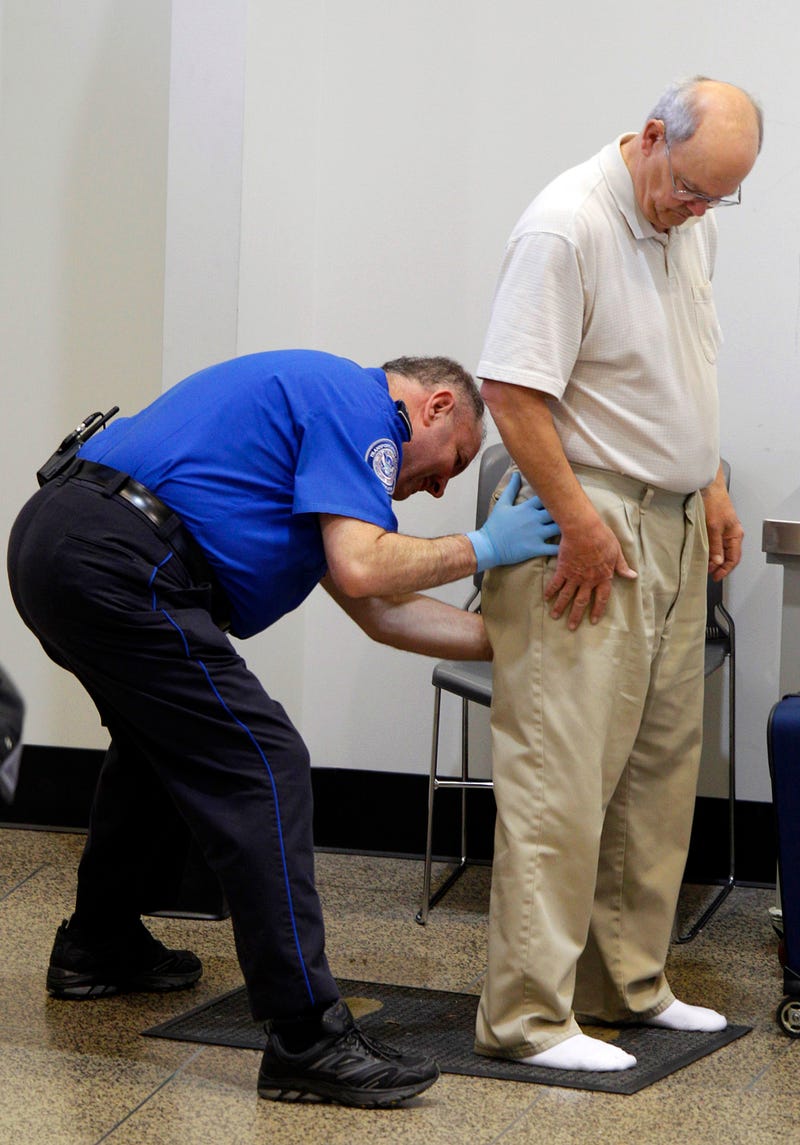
708 328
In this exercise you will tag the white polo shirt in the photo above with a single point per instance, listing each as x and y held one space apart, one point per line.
617 323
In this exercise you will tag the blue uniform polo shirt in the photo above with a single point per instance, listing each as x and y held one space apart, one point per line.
248 452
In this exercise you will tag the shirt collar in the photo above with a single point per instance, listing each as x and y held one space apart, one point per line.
403 414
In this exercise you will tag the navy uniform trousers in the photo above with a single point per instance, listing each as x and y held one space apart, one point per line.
196 743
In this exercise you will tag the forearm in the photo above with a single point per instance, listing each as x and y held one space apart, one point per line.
589 555
364 561
526 426
718 485
417 623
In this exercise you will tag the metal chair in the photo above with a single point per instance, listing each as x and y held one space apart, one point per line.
471 680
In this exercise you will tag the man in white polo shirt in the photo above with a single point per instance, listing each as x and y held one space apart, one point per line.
599 370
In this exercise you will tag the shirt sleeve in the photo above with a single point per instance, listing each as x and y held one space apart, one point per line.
537 320
348 468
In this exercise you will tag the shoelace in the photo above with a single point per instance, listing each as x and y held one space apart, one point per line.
356 1037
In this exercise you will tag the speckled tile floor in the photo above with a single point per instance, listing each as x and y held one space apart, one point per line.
80 1073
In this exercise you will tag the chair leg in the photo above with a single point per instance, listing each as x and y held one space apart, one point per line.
464 778
422 913
429 900
461 866
707 914
730 883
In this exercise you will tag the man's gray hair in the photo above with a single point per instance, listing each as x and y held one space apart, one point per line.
438 373
678 110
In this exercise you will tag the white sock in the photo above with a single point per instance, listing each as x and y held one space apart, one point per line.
583 1052
679 1016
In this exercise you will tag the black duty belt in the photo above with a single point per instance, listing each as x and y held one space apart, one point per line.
112 482
145 501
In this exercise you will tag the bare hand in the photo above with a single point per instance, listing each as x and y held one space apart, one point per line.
725 532
588 558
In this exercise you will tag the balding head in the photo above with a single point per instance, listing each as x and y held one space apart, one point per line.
699 143
727 136
685 103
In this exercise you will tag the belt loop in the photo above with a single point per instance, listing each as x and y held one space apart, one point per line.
649 494
108 481
115 486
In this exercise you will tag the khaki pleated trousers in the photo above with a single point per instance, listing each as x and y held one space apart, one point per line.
596 738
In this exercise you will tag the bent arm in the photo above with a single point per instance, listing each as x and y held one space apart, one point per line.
417 623
589 554
365 560
526 427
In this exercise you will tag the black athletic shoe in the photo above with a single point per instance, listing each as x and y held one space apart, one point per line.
344 1066
138 963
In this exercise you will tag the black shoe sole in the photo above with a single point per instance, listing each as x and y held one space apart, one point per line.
74 987
303 1090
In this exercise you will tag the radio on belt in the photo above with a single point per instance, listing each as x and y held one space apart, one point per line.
63 457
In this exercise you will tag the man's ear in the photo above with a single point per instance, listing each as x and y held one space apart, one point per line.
437 404
653 131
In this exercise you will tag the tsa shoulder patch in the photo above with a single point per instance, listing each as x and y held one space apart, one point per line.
384 458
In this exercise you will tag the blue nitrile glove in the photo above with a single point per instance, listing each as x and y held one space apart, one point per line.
514 533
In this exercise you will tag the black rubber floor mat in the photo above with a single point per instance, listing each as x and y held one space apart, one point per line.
441 1024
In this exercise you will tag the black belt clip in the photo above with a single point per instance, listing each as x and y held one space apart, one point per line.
58 462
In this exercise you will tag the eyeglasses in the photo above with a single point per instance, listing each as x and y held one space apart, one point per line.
697 196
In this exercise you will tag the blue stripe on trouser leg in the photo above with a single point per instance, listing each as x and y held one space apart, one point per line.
268 769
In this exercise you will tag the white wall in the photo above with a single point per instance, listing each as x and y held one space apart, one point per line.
385 152
204 185
83 149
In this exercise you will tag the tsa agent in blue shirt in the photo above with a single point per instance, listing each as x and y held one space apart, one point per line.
220 506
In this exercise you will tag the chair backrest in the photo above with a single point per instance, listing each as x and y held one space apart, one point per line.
493 464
